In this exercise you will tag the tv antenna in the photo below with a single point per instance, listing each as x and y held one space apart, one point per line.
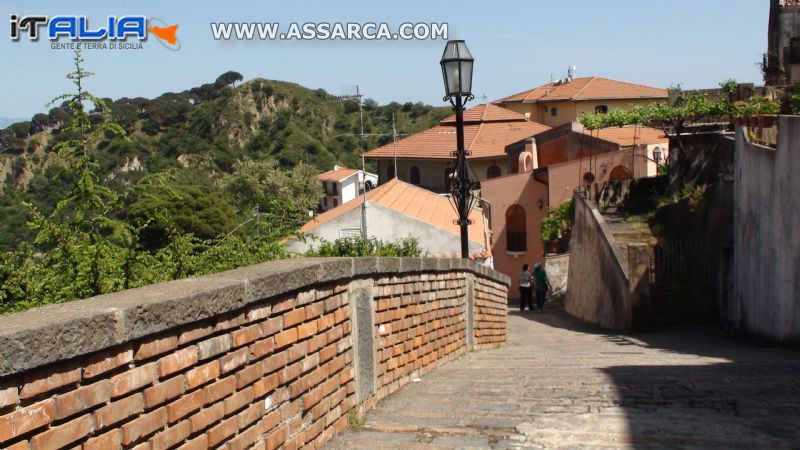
353 93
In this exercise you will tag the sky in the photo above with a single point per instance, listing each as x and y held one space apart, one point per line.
517 45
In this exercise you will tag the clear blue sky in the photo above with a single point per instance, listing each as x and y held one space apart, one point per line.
516 44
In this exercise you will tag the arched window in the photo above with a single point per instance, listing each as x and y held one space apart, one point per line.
492 172
516 230
448 178
601 109
620 173
415 176
390 172
368 185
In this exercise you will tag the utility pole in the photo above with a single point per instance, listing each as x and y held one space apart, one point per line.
394 146
358 96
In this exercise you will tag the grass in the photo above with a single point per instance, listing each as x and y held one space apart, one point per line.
354 419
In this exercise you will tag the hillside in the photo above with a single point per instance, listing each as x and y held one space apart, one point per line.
213 125
202 131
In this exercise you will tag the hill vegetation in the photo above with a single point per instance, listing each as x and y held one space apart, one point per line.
198 135
106 195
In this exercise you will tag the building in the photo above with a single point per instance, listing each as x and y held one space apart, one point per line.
342 185
517 203
425 159
397 210
568 156
546 169
782 61
564 101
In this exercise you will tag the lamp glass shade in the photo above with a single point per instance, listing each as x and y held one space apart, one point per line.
657 155
456 65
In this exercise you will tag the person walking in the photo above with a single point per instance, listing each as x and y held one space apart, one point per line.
525 294
542 285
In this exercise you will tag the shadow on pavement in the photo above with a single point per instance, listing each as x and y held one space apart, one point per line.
707 390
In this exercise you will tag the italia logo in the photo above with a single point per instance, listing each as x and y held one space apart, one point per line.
77 28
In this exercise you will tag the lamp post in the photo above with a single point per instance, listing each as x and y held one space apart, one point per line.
456 65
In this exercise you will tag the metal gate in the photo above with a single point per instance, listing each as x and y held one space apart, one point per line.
680 276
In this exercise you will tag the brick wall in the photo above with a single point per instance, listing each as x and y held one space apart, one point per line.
490 313
280 365
421 323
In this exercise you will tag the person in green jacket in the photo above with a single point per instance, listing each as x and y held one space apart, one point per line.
542 285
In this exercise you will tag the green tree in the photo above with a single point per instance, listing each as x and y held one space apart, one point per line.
195 210
228 78
283 197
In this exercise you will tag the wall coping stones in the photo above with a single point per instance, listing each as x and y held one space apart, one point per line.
59 332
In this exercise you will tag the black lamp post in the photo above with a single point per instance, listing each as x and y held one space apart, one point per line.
456 65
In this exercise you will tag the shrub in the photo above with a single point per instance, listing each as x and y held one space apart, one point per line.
360 247
558 222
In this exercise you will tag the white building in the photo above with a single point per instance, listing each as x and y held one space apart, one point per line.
342 185
397 210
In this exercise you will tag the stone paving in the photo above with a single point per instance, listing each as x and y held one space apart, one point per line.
562 384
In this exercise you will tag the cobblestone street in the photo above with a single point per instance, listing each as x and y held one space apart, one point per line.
561 384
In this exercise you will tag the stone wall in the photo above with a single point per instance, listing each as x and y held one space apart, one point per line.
557 268
604 286
766 300
270 355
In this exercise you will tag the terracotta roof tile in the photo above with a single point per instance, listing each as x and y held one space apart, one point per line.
487 139
587 88
337 174
487 113
411 201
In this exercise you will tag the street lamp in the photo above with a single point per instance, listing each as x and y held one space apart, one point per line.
657 155
456 65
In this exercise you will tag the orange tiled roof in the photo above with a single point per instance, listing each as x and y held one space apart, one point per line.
337 174
487 113
630 135
485 139
587 88
411 201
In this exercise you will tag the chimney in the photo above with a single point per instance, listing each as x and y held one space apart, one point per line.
528 159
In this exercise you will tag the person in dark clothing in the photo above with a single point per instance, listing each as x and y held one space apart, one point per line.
542 285
525 292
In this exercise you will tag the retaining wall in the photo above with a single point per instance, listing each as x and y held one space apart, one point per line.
269 355
766 300
604 286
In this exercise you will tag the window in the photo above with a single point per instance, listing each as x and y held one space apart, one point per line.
553 111
325 187
325 201
492 172
601 109
335 203
516 232
368 185
390 172
415 176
